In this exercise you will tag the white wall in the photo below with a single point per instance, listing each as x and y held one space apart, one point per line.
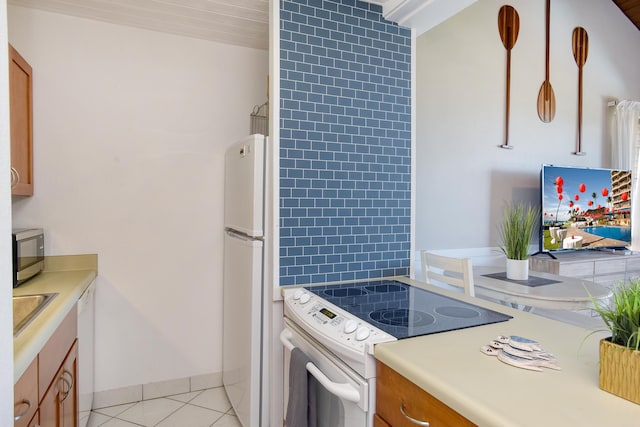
130 132
463 178
6 324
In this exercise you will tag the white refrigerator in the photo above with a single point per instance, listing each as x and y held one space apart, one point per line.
244 352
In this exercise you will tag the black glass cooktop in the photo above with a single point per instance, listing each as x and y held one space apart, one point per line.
405 311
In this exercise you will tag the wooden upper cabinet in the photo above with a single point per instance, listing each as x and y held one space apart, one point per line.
21 111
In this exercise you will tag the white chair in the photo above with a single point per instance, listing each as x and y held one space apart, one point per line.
435 268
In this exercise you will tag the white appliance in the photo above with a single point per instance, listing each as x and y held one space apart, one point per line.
337 326
343 365
244 369
86 325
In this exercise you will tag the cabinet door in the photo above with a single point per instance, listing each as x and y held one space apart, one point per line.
26 395
51 404
21 111
59 406
69 400
55 351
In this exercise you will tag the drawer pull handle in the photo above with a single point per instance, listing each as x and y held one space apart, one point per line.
66 372
23 413
15 177
413 420
65 393
342 390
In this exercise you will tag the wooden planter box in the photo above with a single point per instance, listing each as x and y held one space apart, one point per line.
620 370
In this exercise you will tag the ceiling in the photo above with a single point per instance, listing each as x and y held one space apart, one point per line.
631 8
245 22
237 22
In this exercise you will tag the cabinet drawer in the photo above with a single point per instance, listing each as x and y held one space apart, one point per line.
544 265
26 395
633 263
393 392
55 350
610 280
610 266
577 269
632 275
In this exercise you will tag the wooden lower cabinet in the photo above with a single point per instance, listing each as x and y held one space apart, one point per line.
379 422
398 400
59 406
35 422
50 383
25 394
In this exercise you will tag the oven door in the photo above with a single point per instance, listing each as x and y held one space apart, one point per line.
343 398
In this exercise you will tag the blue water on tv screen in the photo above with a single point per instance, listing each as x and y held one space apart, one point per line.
584 208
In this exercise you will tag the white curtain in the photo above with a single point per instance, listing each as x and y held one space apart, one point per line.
626 154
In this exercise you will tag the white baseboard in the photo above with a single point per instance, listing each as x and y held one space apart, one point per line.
137 393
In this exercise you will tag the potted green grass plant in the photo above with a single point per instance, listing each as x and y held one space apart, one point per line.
620 353
516 230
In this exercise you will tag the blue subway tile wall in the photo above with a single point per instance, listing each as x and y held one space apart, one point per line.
345 142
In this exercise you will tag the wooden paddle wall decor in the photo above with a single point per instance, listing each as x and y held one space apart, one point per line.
508 27
546 96
580 47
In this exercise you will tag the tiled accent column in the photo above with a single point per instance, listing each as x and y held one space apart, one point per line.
345 142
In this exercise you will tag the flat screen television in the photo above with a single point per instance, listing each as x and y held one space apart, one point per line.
584 208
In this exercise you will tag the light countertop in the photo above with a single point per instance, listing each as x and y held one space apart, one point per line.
488 392
68 276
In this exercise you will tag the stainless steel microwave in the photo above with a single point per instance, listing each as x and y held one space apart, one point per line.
28 254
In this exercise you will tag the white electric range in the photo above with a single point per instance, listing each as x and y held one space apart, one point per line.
337 326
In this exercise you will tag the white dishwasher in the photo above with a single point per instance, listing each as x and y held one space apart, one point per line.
86 324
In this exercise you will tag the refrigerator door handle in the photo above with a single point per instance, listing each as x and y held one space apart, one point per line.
341 390
242 236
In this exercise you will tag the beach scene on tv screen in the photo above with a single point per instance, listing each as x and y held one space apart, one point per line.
585 208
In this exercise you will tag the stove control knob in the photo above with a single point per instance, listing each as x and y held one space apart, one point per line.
362 333
297 294
350 326
304 298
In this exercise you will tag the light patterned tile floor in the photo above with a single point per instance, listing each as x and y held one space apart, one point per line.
206 408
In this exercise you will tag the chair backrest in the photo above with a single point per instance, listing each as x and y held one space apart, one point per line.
435 268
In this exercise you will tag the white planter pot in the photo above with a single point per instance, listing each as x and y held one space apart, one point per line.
517 269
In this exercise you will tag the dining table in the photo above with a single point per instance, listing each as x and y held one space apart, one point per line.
541 290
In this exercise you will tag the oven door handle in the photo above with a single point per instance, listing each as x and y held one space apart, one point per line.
342 390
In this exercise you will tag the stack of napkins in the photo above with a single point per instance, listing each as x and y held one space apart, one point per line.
521 352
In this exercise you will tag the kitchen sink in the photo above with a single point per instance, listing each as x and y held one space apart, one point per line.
26 308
